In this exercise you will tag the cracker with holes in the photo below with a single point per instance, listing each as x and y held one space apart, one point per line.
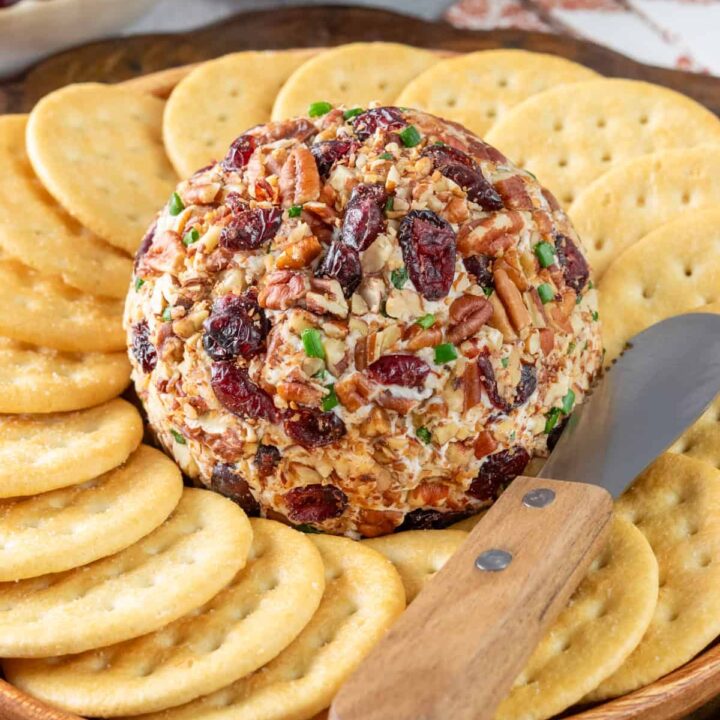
676 505
418 554
363 596
220 99
633 198
73 526
702 439
571 134
170 572
670 271
243 627
353 75
477 89
44 452
603 623
98 150
36 230
43 310
39 380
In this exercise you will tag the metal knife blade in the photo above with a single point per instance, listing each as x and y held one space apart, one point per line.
659 386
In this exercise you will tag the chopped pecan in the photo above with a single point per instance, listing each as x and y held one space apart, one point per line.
354 391
513 191
377 423
469 313
418 338
402 406
300 254
547 340
326 297
500 320
166 254
472 386
300 392
456 211
299 179
484 444
200 194
510 263
489 235
511 299
372 523
428 493
283 289
560 312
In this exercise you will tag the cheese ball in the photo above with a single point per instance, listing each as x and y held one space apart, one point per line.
361 321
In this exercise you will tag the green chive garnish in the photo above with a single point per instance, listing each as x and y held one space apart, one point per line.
571 347
176 205
424 434
390 204
590 285
167 314
139 282
568 401
595 315
305 528
546 293
191 236
545 254
410 136
349 114
295 211
179 439
399 277
551 419
319 108
386 156
312 342
488 291
445 353
505 362
330 401
426 321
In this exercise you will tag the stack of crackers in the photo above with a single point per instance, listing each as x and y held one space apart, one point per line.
122 593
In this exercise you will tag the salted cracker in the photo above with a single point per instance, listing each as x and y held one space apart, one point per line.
702 439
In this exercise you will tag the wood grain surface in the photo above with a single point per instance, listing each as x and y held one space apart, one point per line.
690 688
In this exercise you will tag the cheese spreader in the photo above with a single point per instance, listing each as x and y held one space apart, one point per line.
457 649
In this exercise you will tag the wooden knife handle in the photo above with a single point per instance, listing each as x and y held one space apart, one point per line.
457 649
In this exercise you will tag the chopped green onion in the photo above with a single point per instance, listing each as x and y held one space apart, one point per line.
386 156
390 204
546 293
191 236
176 205
424 434
571 347
595 315
349 114
439 142
426 321
320 374
295 211
410 136
552 419
512 436
319 108
179 439
505 362
399 277
167 314
590 285
139 282
312 342
545 254
445 353
305 528
488 291
578 299
330 401
568 401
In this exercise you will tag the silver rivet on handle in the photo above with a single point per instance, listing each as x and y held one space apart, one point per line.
493 560
539 498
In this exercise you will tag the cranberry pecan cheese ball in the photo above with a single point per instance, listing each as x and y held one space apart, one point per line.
360 321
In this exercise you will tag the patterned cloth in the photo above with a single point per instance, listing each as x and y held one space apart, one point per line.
683 34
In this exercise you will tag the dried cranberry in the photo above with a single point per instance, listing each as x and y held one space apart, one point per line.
342 263
481 267
249 229
313 429
267 458
406 370
497 471
240 395
428 246
465 172
315 503
327 153
142 348
574 266
240 152
422 519
364 216
145 244
382 118
525 388
237 326
228 483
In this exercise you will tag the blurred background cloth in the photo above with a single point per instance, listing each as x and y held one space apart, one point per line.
683 34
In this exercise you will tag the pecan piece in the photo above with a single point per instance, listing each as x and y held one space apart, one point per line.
500 320
402 406
300 254
299 179
560 312
469 313
472 386
419 338
300 393
484 444
284 288
354 391
512 300
428 493
547 340
166 254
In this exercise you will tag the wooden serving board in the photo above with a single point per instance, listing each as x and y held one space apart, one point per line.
156 63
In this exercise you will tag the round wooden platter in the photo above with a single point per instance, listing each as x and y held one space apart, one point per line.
155 64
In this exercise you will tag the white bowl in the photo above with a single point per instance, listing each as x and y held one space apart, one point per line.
33 29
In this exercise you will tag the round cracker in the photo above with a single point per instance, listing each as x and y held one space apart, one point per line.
38 231
39 453
635 197
477 89
219 100
243 627
136 591
43 310
73 526
603 623
98 150
702 439
354 75
675 503
418 554
39 380
571 134
363 596
668 272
